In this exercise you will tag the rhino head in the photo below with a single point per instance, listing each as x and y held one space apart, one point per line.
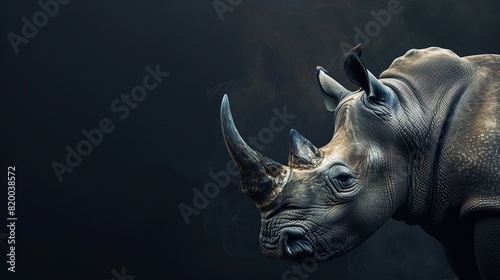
328 200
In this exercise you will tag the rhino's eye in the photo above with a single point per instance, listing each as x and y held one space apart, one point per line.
340 173
341 181
344 177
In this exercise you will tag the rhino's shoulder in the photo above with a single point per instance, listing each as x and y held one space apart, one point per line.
430 72
428 56
422 63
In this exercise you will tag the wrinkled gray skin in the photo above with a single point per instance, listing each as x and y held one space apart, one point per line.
420 144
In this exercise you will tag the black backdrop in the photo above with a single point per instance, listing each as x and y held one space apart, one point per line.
116 215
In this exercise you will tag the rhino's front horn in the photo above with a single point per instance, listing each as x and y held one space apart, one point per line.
303 154
262 179
331 90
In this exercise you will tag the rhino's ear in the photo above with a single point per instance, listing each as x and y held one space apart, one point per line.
331 90
358 74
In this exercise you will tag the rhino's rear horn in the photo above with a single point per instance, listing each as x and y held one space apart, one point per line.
331 90
303 154
261 178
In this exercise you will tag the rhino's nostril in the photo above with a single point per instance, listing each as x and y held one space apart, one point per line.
290 238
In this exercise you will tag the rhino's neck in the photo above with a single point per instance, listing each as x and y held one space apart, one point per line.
428 118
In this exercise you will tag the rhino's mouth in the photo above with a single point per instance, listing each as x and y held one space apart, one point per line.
290 243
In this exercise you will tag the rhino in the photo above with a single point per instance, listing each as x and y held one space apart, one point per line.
420 144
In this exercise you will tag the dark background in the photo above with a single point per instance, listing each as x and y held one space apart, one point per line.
119 208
